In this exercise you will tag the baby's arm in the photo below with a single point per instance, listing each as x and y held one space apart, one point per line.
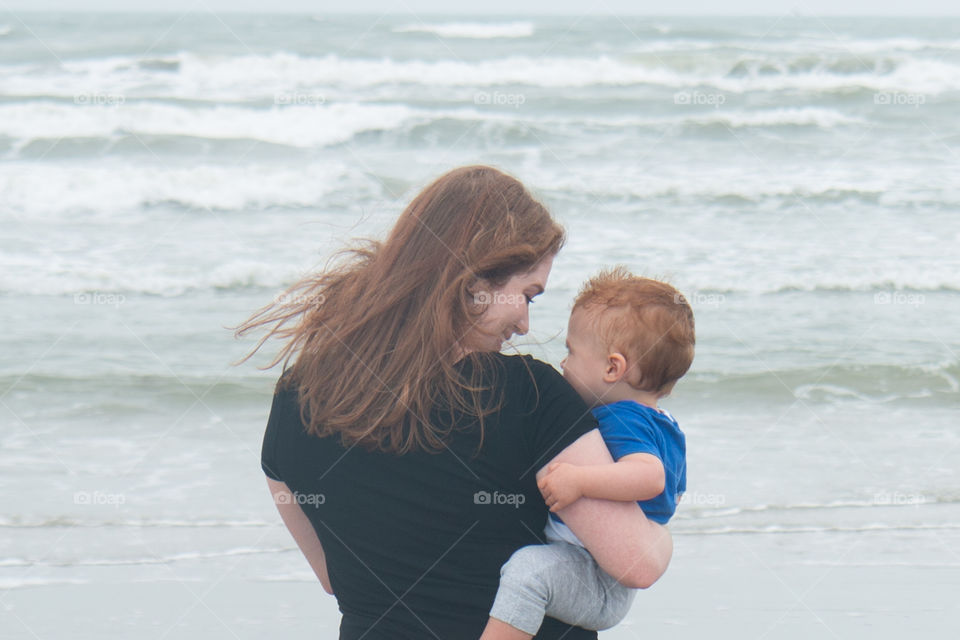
634 477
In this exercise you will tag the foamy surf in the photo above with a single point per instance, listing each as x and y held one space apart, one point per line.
302 126
205 78
476 30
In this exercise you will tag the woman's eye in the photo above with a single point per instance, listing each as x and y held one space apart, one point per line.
529 299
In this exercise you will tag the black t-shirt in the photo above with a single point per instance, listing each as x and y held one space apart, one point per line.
414 543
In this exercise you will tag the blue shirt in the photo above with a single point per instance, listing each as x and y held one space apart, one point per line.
629 427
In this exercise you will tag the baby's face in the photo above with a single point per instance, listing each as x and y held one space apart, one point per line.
586 359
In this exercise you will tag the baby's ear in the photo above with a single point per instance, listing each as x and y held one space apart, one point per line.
616 368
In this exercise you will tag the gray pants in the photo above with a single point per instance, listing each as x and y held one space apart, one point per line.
562 581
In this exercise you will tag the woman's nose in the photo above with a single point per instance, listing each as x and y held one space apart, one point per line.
523 324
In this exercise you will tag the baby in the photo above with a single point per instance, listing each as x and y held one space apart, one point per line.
629 340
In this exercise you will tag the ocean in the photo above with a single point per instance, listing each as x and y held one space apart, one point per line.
162 176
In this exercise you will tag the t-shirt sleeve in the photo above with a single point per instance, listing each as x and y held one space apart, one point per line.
559 415
284 409
624 438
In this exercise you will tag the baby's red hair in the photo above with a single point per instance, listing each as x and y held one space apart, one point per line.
647 321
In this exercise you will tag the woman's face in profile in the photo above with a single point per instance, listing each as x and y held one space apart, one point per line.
507 308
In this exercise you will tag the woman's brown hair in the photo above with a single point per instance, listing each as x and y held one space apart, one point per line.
376 336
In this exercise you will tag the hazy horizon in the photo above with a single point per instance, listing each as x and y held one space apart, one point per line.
734 8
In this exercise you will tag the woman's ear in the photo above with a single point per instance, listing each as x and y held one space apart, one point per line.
479 294
616 367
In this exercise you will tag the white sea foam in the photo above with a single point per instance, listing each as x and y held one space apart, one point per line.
37 192
294 71
112 277
114 199
937 565
689 512
295 576
482 30
776 529
295 126
814 391
802 116
795 183
17 522
14 562
311 127
880 46
941 371
106 274
252 76
170 558
40 191
735 118
16 583
158 559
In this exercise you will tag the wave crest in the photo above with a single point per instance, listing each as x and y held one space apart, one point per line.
477 30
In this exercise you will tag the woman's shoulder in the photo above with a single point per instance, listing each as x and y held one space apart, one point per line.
520 371
521 362
521 377
533 382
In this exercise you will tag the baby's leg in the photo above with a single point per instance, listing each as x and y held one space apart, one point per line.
499 630
588 597
560 580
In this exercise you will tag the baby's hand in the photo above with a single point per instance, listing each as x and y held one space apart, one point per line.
561 485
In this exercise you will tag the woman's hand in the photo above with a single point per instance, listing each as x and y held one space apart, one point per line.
561 486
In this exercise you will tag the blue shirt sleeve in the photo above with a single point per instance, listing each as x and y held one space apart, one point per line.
627 436
628 428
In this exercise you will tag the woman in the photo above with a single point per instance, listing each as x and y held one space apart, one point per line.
403 448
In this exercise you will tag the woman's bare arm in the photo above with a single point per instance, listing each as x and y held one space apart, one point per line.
301 529
628 546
